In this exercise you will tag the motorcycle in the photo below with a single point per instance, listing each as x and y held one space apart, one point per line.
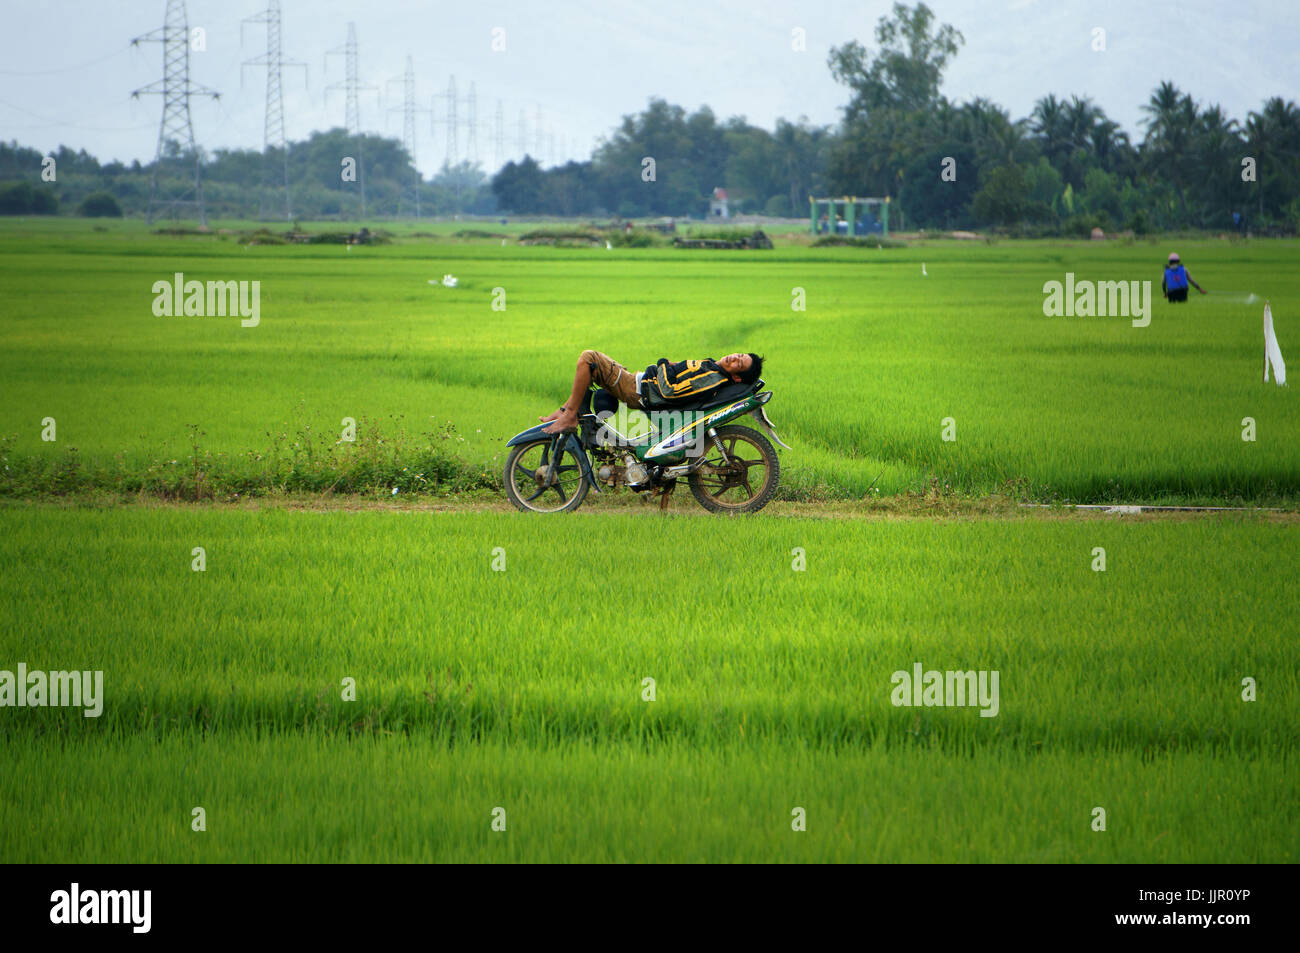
730 468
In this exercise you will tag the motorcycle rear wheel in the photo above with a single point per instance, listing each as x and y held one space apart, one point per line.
536 483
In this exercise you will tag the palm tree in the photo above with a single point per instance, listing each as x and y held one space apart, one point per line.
989 128
1217 143
1162 109
1080 116
1108 142
1273 135
1047 121
1064 128
1170 130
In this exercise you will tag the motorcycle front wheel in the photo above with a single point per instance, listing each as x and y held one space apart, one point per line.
744 479
540 480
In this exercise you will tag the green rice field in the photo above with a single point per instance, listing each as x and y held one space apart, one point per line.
1085 409
356 652
523 687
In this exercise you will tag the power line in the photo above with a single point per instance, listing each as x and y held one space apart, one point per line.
65 69
234 123
46 121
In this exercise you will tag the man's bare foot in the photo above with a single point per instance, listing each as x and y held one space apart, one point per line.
562 422
550 417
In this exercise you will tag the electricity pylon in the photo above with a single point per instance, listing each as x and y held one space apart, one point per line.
411 197
273 138
352 88
176 145
471 126
499 136
452 122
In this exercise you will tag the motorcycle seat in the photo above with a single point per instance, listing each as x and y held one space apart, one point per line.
726 394
596 401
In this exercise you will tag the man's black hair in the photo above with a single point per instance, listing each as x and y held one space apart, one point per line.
755 370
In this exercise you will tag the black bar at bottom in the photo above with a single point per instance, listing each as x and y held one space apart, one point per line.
330 903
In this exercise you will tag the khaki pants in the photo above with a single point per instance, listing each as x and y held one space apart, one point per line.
613 376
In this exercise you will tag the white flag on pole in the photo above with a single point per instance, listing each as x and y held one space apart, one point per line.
1272 353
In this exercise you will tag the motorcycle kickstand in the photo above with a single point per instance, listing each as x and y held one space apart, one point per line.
664 494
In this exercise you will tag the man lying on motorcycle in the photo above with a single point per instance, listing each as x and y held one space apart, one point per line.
658 383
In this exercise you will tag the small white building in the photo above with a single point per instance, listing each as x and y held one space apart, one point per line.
718 206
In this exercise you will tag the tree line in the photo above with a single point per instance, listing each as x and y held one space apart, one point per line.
233 180
1066 167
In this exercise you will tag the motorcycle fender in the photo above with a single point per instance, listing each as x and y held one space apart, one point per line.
533 434
760 414
529 435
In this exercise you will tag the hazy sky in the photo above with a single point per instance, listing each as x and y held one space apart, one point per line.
67 69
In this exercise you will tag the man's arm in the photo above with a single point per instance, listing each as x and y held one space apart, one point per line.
1192 281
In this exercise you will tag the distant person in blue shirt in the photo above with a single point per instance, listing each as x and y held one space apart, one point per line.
1176 279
